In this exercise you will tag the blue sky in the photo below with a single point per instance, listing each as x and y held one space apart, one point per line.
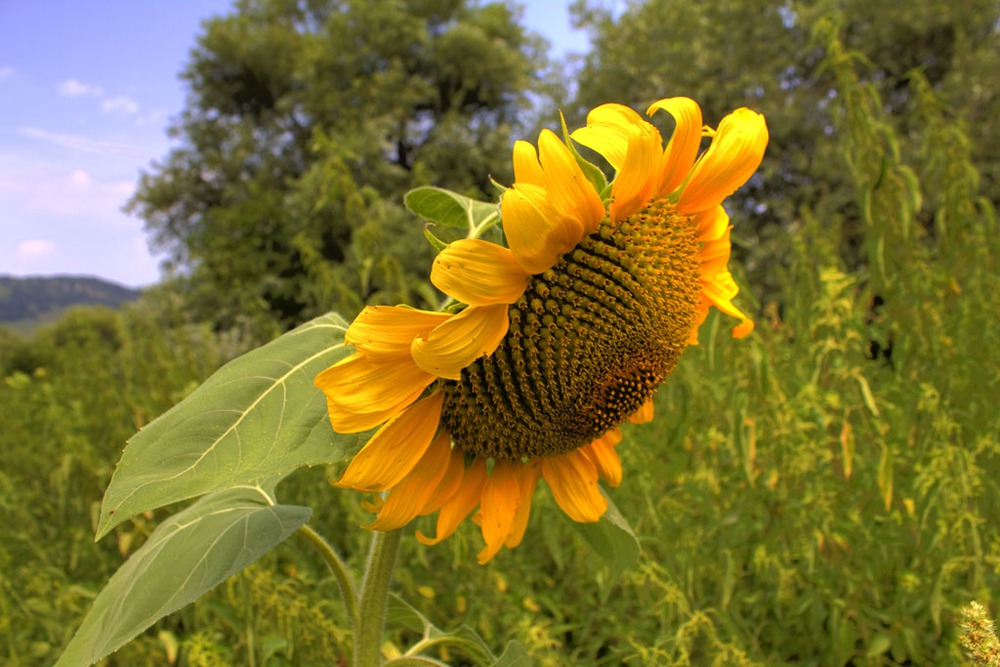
86 92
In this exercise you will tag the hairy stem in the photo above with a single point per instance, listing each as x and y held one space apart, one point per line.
370 620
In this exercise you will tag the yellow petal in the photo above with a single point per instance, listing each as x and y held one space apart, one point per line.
450 347
715 256
461 504
571 193
721 292
643 415
536 232
395 448
345 421
387 331
478 273
450 483
682 149
527 169
602 454
607 132
735 154
637 178
498 506
408 498
711 224
528 479
357 386
699 319
573 480
743 329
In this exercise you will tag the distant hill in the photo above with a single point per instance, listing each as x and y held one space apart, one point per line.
26 303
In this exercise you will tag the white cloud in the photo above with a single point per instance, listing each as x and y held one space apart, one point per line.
34 249
120 104
84 143
74 88
157 117
6 72
61 194
80 178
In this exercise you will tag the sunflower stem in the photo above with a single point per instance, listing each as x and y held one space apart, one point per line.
370 621
344 581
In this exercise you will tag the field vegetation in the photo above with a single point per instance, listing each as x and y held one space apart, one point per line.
823 492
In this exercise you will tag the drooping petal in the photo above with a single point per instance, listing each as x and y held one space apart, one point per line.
357 386
699 319
573 480
682 149
637 178
743 329
721 292
385 332
395 448
460 505
465 337
536 232
498 507
478 273
408 498
571 193
602 454
607 132
736 151
450 483
528 473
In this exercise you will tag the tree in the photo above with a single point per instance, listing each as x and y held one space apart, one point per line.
306 121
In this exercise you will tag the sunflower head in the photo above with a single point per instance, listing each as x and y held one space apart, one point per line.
566 331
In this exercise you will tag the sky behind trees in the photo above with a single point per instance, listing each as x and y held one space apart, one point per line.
86 94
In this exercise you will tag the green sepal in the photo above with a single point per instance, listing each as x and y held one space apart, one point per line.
590 170
435 242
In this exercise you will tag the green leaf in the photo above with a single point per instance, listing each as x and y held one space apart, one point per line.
257 417
613 540
186 556
884 476
451 209
879 645
514 655
463 640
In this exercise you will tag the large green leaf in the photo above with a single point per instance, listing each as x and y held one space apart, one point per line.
451 209
613 540
257 417
186 556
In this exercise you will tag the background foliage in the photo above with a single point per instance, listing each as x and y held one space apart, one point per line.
823 492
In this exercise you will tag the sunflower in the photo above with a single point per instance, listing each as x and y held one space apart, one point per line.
565 334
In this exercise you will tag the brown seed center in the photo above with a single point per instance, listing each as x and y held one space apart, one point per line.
589 341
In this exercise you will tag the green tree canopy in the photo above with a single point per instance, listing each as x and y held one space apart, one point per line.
306 121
